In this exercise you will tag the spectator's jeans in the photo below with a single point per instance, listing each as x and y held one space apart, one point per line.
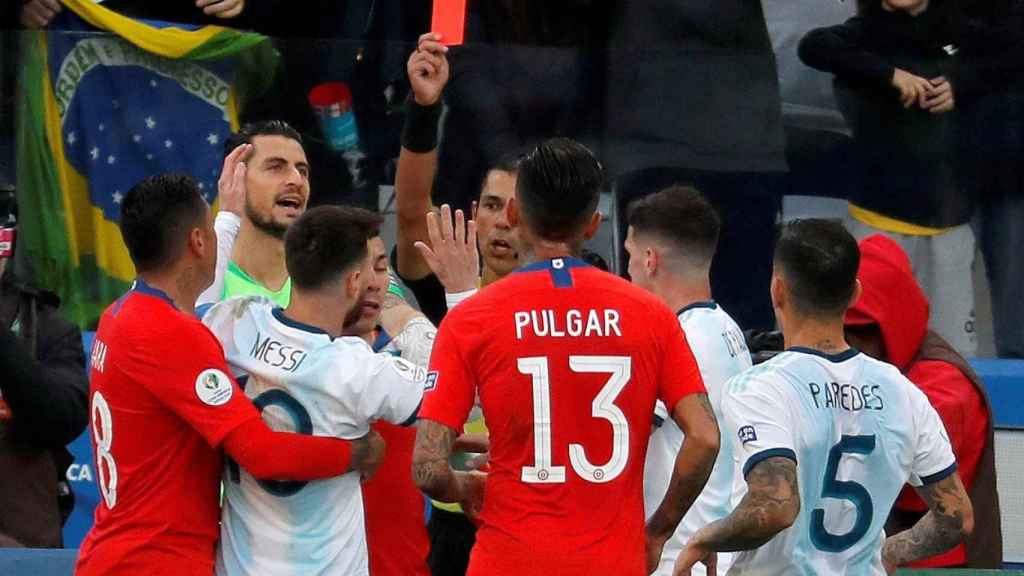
748 205
943 265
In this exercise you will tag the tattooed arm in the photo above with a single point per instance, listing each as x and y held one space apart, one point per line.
435 477
949 520
771 505
693 466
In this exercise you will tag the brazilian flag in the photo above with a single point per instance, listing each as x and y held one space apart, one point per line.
104 102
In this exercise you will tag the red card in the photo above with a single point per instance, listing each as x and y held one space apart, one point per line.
449 21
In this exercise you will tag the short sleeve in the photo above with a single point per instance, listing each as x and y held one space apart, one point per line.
680 375
756 421
933 454
187 373
394 390
450 389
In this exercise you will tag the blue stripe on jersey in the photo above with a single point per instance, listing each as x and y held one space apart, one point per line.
840 357
705 304
559 268
766 454
280 317
941 475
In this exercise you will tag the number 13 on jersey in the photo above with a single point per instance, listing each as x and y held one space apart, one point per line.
619 369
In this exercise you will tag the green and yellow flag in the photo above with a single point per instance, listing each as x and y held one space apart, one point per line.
104 102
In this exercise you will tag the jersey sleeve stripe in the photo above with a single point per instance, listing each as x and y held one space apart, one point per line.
766 454
941 475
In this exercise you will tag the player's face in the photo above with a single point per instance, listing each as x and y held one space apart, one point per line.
277 184
359 292
370 305
637 273
499 242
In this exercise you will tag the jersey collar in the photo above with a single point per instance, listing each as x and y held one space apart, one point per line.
552 264
837 358
694 305
140 286
279 315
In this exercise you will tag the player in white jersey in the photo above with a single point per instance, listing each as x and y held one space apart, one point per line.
671 241
308 379
824 437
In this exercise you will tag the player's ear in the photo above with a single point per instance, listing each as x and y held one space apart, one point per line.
778 292
512 213
197 243
858 289
591 229
651 261
352 283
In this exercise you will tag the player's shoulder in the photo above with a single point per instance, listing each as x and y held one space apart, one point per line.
233 309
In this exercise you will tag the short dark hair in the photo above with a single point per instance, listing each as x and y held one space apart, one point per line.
264 128
156 216
558 188
819 260
326 241
682 216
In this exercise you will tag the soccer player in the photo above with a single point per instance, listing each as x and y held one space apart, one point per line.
307 378
825 437
163 405
568 362
671 241
268 160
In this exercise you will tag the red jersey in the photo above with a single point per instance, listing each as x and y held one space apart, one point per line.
396 524
161 401
568 362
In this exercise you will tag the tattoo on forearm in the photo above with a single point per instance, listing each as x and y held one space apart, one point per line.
939 530
772 496
430 468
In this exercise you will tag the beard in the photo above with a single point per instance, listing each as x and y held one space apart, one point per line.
265 223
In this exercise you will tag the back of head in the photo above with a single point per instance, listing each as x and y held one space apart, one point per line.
327 241
558 189
157 215
265 128
684 224
818 260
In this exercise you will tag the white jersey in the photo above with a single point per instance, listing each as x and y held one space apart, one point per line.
858 431
306 382
721 353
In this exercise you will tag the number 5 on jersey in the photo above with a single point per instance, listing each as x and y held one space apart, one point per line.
603 406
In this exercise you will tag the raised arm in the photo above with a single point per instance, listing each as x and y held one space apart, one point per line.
417 162
231 190
950 519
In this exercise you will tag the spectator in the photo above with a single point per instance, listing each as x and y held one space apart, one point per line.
692 97
990 93
889 322
894 67
43 407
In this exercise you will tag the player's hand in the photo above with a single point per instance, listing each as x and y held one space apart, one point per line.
694 552
940 99
655 545
911 88
231 187
471 493
221 8
38 13
428 70
890 568
367 454
452 254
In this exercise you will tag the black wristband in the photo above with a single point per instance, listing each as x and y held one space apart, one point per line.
419 134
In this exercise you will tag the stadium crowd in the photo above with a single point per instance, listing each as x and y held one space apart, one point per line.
283 391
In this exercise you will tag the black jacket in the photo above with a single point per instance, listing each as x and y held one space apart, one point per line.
908 158
43 381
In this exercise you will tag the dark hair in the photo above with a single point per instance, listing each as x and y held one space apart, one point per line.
682 216
156 216
819 260
265 128
558 188
326 241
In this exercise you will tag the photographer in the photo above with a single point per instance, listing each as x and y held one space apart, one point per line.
43 406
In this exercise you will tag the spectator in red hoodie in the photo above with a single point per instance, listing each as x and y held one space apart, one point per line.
890 322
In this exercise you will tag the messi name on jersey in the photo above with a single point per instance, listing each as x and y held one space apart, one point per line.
572 323
846 396
277 355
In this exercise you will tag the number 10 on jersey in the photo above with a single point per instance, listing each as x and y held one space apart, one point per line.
543 471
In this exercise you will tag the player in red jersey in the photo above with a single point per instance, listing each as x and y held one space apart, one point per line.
163 404
568 362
